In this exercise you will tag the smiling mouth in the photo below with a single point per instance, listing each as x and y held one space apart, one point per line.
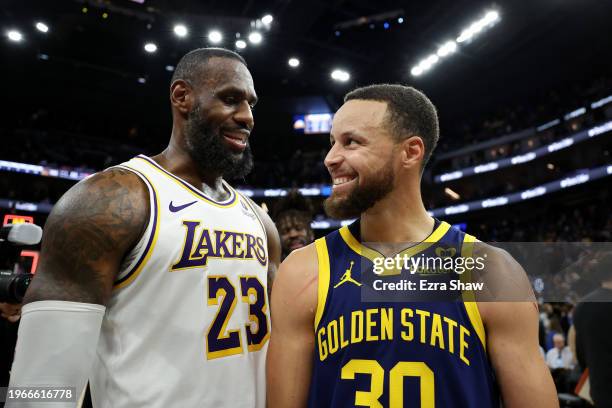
340 181
237 141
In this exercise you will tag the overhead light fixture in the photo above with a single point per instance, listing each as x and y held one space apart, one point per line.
150 48
447 48
340 75
490 18
241 44
42 27
255 37
267 19
451 193
215 37
180 30
416 71
14 36
169 68
293 62
476 27
142 80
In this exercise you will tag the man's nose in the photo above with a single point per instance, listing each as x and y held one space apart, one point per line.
244 116
333 158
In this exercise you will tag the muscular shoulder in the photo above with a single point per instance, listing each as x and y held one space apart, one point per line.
87 235
507 289
296 285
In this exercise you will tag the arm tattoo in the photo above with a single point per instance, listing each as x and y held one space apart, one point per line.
87 235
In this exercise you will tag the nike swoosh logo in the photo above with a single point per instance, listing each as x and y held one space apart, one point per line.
172 208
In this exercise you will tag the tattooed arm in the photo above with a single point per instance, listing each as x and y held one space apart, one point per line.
85 239
87 235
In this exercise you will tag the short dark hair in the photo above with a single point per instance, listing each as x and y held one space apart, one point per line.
293 206
409 112
191 63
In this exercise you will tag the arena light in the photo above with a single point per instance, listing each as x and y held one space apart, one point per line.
14 35
170 68
416 71
255 38
476 27
180 30
215 37
293 62
42 27
451 193
340 75
241 44
267 19
488 20
150 48
447 48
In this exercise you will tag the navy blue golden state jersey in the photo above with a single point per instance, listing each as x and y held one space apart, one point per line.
395 354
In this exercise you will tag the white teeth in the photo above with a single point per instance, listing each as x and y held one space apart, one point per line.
341 180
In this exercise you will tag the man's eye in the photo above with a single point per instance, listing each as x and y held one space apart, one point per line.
351 141
230 100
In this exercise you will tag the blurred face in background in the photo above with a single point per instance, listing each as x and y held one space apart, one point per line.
295 232
559 342
361 158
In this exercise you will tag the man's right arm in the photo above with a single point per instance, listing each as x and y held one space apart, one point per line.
87 235
294 304
85 239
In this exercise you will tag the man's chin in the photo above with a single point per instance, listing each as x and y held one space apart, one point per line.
340 208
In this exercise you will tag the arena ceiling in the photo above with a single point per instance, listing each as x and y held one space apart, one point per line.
94 62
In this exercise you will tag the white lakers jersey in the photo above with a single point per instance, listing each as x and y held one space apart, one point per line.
188 322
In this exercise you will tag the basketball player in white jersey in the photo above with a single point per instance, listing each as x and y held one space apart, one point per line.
153 276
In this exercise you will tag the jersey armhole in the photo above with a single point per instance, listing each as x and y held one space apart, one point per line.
470 304
323 281
146 243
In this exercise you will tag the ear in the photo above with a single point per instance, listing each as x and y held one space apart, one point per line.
181 96
412 152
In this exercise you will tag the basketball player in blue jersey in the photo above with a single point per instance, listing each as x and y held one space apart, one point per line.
331 349
153 274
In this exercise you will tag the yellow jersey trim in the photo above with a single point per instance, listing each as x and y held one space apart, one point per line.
230 202
372 254
471 306
156 221
324 278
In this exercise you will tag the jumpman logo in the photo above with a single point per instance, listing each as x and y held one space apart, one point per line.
347 277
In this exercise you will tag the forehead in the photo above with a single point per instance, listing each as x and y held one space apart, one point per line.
292 220
219 73
360 115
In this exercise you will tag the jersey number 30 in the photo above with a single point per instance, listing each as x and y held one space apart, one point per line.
221 342
396 382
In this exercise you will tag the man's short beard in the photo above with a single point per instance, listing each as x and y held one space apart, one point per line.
361 197
206 148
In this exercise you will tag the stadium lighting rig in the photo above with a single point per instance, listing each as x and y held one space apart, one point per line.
451 46
14 36
340 75
181 30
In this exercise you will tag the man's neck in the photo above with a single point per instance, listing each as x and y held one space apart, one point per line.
178 162
397 219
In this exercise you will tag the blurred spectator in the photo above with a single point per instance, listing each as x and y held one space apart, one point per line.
560 356
593 328
293 215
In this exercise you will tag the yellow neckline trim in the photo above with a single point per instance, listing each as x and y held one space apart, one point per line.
230 202
372 254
